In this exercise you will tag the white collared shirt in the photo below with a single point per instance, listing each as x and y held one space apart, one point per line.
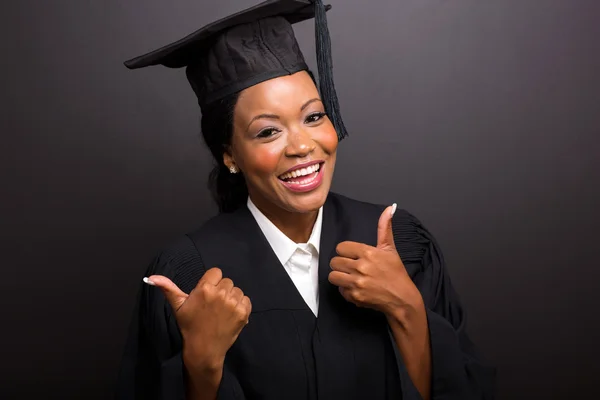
300 260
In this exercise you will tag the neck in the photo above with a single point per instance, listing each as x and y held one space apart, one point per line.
296 226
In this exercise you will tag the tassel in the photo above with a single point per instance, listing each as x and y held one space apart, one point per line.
325 68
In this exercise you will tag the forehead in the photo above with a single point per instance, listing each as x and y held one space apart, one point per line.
279 95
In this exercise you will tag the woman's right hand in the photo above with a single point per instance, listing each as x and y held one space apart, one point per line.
210 318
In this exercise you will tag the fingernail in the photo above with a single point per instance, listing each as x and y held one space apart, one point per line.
149 282
394 208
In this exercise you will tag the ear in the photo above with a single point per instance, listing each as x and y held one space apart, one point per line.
228 159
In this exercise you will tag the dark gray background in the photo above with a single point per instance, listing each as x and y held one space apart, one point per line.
480 117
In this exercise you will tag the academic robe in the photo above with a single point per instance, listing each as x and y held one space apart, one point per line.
285 352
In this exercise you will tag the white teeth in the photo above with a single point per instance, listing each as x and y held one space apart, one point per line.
301 172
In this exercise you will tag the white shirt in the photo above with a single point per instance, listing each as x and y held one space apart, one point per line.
300 260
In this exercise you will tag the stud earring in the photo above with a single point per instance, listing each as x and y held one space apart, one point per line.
233 169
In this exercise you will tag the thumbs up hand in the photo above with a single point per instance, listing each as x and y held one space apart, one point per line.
374 277
210 318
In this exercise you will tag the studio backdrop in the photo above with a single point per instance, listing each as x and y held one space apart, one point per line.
481 118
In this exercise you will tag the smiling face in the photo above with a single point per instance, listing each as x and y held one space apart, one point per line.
284 144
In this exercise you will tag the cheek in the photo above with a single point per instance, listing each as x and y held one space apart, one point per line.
262 160
329 140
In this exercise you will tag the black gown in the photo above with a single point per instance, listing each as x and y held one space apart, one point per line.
285 352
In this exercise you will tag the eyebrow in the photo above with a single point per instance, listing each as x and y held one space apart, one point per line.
275 116
261 116
308 103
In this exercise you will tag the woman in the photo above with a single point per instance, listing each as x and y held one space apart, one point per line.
291 292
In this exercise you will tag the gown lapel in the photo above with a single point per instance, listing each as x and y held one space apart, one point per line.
255 268
333 351
331 235
348 341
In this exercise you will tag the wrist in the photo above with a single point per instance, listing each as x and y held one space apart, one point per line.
202 383
203 364
409 313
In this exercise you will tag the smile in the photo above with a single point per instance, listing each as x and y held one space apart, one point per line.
304 178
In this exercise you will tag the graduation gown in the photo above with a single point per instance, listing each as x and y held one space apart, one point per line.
285 352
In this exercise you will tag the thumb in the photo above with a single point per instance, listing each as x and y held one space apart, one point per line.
385 237
174 295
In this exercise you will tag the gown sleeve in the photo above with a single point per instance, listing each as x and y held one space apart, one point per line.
458 370
152 364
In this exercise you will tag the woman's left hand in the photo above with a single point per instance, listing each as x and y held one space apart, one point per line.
375 277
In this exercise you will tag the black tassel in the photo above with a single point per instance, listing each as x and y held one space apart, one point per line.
325 68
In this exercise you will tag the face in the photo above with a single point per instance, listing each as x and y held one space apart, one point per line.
284 144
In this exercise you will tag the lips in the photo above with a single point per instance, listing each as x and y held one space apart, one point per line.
300 173
303 178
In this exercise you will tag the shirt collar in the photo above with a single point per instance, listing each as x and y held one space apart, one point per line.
283 246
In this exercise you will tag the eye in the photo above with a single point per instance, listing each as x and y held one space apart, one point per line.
315 117
268 132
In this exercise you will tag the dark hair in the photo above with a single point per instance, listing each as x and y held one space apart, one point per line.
228 190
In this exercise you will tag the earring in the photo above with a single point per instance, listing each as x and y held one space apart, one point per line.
233 169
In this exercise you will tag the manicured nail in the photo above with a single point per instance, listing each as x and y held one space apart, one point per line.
394 209
149 282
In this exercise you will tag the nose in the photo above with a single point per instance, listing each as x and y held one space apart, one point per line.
300 144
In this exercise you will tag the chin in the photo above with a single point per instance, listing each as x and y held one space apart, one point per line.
307 202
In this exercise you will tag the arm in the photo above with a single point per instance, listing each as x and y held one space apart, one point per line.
410 333
202 378
155 364
457 369
405 278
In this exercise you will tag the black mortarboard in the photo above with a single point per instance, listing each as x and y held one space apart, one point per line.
250 47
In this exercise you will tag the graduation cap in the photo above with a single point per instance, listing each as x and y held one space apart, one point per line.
250 47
